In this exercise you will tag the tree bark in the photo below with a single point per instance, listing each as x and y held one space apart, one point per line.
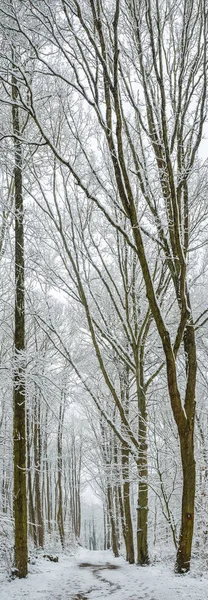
114 539
37 479
142 465
142 508
129 539
122 516
19 414
31 509
108 529
187 515
59 481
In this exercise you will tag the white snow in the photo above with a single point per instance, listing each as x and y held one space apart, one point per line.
67 580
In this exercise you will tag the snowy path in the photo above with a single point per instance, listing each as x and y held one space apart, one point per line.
99 576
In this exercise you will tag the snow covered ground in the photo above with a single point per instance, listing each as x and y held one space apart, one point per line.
92 575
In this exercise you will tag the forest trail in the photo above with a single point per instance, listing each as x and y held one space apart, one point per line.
97 575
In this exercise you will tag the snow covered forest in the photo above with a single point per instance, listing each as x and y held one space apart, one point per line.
103 284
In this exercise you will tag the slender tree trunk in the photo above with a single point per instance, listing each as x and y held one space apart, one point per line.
116 492
104 529
49 498
186 436
129 539
46 494
188 496
142 515
60 462
121 507
94 541
114 539
108 526
120 501
78 499
19 416
73 496
37 480
142 465
117 515
142 508
31 509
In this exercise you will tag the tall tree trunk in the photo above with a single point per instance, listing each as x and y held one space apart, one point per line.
122 516
114 539
187 515
129 538
48 495
108 529
31 509
59 481
185 420
46 489
119 491
73 503
142 508
104 529
37 482
78 499
186 435
19 416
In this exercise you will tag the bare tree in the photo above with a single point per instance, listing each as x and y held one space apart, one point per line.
139 71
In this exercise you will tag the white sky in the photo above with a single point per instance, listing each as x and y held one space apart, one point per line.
203 148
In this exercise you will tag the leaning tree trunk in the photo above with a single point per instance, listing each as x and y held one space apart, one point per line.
19 414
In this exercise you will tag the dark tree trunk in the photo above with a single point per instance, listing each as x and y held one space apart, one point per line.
19 415
108 536
122 516
114 539
187 514
142 508
31 509
59 482
129 539
37 480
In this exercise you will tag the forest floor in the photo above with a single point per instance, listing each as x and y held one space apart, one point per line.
89 575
